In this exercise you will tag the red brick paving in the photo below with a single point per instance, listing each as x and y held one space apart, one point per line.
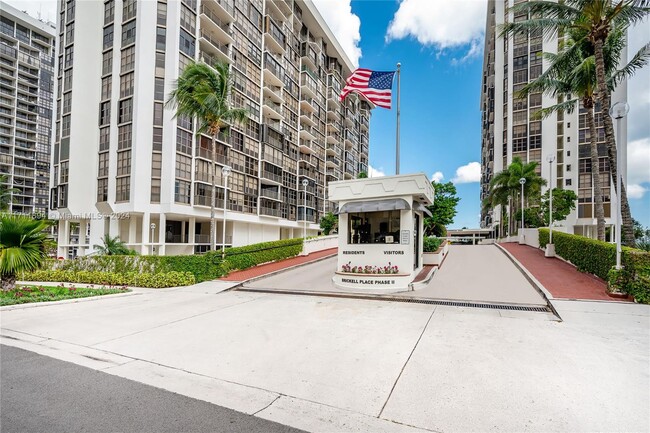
423 273
560 278
267 268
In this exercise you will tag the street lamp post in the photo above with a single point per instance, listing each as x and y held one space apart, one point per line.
152 226
522 182
550 247
618 112
225 172
305 182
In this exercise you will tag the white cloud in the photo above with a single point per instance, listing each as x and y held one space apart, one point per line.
636 191
638 161
344 24
468 173
441 23
374 172
437 176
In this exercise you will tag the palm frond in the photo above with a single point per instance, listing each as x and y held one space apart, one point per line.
639 60
563 107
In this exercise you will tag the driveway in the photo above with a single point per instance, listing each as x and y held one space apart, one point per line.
331 364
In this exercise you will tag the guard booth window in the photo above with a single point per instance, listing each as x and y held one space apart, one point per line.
374 227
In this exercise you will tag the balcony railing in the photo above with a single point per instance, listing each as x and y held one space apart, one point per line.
216 43
215 19
269 211
271 176
270 193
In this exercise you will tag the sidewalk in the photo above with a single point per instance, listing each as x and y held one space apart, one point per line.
558 277
269 268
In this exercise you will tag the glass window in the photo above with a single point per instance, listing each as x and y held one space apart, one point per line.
157 113
122 188
160 65
159 89
374 227
109 11
157 139
106 87
104 138
108 36
107 62
102 190
124 163
187 43
155 190
162 14
126 85
124 136
104 113
161 38
103 165
125 111
128 33
129 9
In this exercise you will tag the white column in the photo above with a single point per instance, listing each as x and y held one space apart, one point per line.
192 230
161 234
145 248
133 229
63 238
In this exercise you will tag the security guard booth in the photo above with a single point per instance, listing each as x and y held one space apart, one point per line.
380 230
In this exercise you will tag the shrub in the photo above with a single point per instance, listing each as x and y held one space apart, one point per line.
137 279
253 255
432 244
599 258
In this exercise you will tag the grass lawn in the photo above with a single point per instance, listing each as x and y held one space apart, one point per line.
27 294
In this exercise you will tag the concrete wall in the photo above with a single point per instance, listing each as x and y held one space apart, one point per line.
319 244
531 237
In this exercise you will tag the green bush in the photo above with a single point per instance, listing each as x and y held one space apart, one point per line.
599 258
253 255
137 279
432 244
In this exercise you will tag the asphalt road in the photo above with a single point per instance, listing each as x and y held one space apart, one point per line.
41 394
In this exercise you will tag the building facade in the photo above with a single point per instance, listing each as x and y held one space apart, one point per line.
26 108
509 129
125 166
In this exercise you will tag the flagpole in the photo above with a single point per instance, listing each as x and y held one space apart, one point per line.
397 131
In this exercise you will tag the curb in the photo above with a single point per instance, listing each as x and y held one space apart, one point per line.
532 280
279 271
65 301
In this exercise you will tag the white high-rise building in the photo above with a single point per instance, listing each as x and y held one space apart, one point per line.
123 165
26 108
509 131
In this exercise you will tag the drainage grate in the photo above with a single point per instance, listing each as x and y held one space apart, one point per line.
391 298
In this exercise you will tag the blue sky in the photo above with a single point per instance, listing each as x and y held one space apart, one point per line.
439 43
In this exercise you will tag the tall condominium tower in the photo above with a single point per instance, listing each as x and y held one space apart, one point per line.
125 166
509 129
26 99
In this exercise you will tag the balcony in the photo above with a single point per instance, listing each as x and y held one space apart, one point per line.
308 173
270 211
273 194
332 161
307 132
273 92
207 154
272 159
272 109
273 70
268 176
222 9
279 9
274 37
215 25
307 104
305 146
309 159
333 150
307 119
213 49
308 84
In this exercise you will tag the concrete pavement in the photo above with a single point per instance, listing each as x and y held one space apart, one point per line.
325 364
44 394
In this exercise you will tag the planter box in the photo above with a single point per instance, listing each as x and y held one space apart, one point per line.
436 257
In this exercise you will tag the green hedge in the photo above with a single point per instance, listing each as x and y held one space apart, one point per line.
599 258
431 244
117 270
137 279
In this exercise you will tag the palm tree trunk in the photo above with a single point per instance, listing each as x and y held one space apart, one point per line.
595 173
8 282
604 98
213 194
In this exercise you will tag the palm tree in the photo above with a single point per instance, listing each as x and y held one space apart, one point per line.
203 92
505 187
6 193
573 71
23 243
113 247
597 19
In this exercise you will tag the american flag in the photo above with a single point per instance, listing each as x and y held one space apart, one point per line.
374 85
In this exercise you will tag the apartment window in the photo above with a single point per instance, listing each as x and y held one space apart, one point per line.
124 136
183 61
70 11
184 141
188 19
124 163
129 9
65 171
107 62
567 182
162 14
67 102
6 26
126 85
160 65
568 167
157 139
182 191
69 56
183 166
157 113
125 111
122 188
128 33
67 80
159 89
106 87
156 164
108 36
102 190
155 190
69 34
65 126
161 38
109 11
104 138
187 43
104 113
102 170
